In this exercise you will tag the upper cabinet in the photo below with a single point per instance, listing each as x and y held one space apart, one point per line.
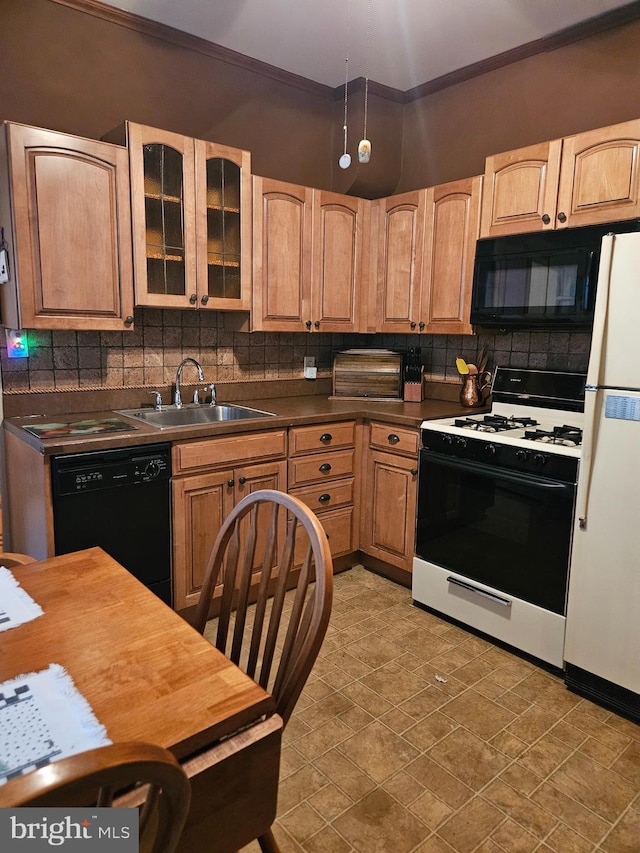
64 210
400 232
191 210
426 248
307 258
451 231
586 179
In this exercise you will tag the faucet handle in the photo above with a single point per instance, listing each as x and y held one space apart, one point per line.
196 398
212 388
158 396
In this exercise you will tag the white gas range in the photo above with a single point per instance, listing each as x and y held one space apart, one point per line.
496 495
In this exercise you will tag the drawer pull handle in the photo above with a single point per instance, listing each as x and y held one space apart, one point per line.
324 498
414 471
325 467
505 602
392 438
242 480
325 437
230 483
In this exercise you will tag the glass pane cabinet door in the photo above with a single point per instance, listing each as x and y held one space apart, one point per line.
223 229
164 218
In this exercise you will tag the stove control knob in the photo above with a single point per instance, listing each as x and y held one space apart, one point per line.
447 439
540 459
461 442
522 455
490 449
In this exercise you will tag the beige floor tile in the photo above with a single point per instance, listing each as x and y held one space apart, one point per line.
479 714
625 836
298 787
344 773
430 809
628 764
327 840
579 818
378 751
469 758
602 790
395 683
514 838
470 825
323 738
302 822
438 780
430 730
379 824
566 840
330 801
529 815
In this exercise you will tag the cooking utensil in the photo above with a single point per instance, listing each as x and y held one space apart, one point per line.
473 370
461 364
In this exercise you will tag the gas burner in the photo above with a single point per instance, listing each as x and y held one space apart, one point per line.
495 423
568 436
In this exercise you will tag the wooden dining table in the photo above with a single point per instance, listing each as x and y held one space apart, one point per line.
149 676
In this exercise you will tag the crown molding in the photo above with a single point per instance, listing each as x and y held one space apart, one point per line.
608 20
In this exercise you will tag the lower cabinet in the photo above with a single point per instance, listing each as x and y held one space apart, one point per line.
210 477
389 495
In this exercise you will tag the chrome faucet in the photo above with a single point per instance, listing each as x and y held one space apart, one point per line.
177 398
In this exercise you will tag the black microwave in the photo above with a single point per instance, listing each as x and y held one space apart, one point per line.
543 280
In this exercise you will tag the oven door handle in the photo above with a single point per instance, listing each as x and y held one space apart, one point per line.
497 473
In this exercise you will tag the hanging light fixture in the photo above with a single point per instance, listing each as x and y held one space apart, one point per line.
345 160
364 146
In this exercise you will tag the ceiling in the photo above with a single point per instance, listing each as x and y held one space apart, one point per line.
412 41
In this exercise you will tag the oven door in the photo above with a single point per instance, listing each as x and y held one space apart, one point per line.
506 529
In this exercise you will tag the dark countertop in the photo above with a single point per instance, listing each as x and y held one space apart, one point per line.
288 411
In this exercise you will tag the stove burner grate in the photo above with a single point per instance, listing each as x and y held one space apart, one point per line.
567 435
494 423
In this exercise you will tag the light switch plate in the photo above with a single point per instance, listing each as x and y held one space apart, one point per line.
310 369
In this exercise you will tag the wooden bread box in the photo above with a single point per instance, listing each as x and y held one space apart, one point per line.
375 374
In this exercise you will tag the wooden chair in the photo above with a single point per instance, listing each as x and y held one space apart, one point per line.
9 560
270 543
94 776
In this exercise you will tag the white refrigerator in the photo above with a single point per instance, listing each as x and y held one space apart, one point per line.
602 641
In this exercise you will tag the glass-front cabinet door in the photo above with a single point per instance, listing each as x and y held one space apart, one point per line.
191 203
223 225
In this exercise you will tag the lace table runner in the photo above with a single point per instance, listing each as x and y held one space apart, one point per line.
16 606
43 717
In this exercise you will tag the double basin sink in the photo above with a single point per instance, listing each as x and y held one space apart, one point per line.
169 417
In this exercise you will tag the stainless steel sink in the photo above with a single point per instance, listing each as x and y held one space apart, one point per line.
169 417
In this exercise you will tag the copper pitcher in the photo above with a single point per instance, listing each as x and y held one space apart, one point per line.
473 387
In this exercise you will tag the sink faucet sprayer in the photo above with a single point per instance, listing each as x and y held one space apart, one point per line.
177 398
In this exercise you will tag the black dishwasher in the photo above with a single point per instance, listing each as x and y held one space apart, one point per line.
119 500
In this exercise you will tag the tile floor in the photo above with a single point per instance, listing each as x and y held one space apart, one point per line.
414 736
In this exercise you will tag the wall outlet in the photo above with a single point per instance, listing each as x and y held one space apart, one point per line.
310 369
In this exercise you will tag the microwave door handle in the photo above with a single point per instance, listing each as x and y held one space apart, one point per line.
588 282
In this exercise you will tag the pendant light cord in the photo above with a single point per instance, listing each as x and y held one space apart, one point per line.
346 80
366 79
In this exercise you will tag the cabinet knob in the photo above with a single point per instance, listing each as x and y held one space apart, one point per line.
546 218
412 325
414 471
308 324
230 483
204 299
562 217
128 321
317 324
324 467
242 480
421 325
326 437
324 498
193 299
392 438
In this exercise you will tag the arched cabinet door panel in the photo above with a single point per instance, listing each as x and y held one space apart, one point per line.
64 208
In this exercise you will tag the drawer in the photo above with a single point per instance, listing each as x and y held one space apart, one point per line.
323 496
309 439
191 456
320 466
338 526
398 439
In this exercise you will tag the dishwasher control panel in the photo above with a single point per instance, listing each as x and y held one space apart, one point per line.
113 468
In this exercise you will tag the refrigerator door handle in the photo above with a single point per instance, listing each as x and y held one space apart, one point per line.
593 378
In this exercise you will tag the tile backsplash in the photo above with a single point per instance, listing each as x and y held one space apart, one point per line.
149 355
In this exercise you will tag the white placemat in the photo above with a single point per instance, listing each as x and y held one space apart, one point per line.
16 606
43 717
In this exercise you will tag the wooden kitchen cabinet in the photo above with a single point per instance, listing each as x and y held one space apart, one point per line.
586 179
399 225
389 495
322 474
64 208
191 209
308 258
451 231
210 477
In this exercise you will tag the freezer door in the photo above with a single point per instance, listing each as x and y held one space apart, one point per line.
603 623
